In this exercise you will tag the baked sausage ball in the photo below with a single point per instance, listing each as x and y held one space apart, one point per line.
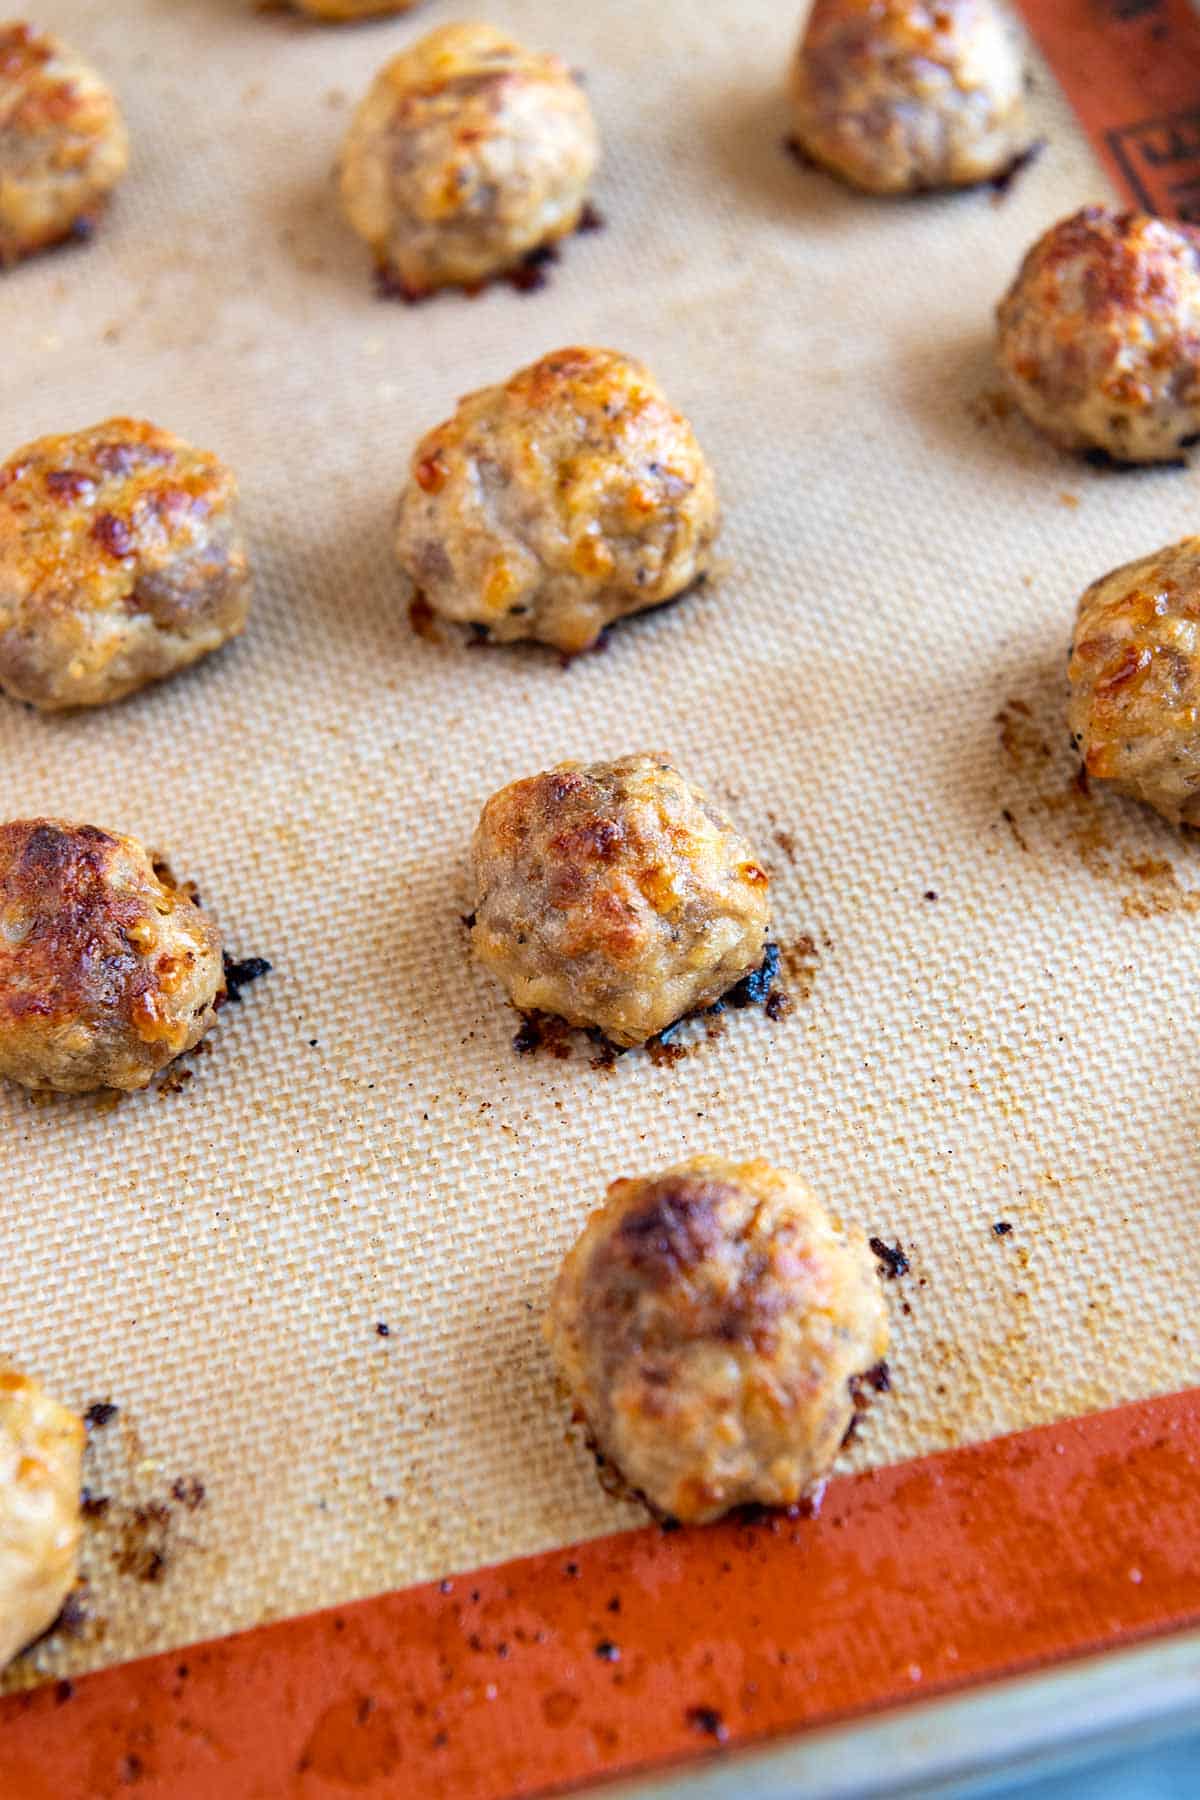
121 560
108 971
901 95
467 154
41 1456
1135 681
616 896
565 499
63 145
710 1323
1099 335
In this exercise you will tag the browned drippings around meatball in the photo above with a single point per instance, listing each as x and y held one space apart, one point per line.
106 972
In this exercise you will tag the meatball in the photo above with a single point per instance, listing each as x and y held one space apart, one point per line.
1135 681
711 1324
41 1456
467 154
571 496
1099 335
63 144
121 560
339 10
901 95
615 896
108 970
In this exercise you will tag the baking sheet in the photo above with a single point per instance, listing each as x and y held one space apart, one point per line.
873 687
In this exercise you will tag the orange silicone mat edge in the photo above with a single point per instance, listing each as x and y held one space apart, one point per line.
1131 71
651 1647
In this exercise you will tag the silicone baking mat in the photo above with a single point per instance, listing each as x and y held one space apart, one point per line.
993 972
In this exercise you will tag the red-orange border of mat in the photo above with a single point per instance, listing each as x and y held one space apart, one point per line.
650 1648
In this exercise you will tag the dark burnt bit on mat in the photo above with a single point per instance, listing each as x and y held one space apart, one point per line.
1001 1228
239 973
100 1413
892 1259
190 1491
70 1621
423 619
795 149
546 1031
528 277
863 1389
1099 458
607 1651
1002 182
709 1721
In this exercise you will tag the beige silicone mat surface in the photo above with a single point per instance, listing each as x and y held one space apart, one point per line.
873 687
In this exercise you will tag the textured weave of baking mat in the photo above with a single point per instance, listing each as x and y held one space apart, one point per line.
873 686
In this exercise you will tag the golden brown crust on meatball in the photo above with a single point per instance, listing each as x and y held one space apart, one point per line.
467 153
338 11
546 508
41 1455
1099 335
1135 680
108 971
615 896
121 561
63 144
896 96
709 1324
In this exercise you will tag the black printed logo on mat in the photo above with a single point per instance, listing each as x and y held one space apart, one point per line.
1160 159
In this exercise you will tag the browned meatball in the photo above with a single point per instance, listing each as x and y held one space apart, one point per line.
1135 680
63 145
1099 335
616 896
711 1324
41 1455
571 496
108 971
121 561
900 95
467 154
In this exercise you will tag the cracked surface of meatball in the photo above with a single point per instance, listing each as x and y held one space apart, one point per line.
710 1323
108 970
41 1458
121 561
896 96
615 896
1099 335
63 144
570 496
339 11
468 153
1135 681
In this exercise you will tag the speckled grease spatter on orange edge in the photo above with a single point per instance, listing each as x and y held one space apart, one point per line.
654 1647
